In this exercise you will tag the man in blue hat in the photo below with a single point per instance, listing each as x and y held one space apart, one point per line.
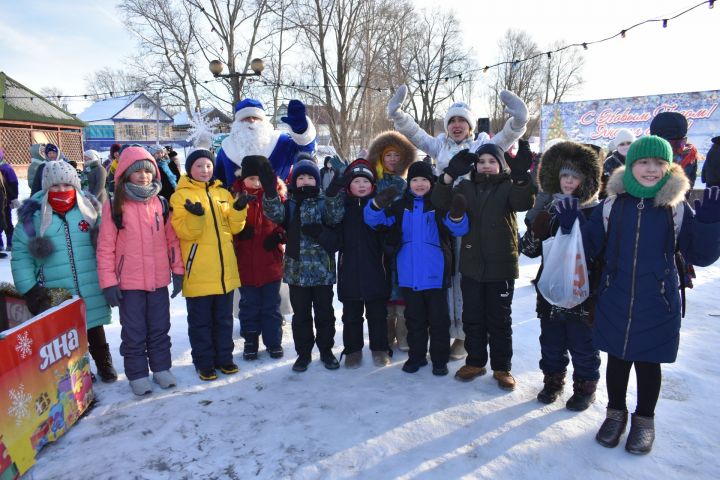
253 134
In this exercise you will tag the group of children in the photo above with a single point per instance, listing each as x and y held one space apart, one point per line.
402 235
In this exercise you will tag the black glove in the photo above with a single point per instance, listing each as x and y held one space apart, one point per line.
177 281
268 179
541 225
709 210
567 213
385 198
113 295
339 182
272 241
246 233
37 299
242 200
312 230
457 206
194 208
520 165
461 164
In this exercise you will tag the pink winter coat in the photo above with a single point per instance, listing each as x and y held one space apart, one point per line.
141 254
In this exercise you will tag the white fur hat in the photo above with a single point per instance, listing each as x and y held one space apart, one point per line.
624 135
460 109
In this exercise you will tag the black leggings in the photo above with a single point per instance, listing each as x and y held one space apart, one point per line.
649 378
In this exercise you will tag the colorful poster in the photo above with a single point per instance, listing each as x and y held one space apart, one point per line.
597 121
45 383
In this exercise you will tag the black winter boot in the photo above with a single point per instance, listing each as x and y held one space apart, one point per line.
329 360
612 428
250 351
583 396
642 435
554 383
103 362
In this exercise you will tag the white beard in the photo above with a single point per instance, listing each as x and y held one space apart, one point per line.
247 138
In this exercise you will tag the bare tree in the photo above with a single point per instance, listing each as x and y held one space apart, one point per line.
54 95
108 82
562 73
439 66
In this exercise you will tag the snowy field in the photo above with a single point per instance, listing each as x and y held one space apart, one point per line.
268 422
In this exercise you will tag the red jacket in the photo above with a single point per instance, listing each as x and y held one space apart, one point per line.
258 266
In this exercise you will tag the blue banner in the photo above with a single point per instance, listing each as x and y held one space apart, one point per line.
597 121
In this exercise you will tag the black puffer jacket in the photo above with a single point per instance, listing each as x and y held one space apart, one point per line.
711 167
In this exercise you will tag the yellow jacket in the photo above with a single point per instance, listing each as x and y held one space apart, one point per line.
206 241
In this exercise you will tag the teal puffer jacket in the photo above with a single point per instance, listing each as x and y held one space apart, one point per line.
71 265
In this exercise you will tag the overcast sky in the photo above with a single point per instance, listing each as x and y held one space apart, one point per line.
57 43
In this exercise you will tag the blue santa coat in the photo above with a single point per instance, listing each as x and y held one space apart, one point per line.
637 317
282 157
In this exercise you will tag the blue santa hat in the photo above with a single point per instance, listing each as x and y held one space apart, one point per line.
249 107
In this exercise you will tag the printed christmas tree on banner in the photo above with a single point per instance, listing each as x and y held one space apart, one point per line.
557 127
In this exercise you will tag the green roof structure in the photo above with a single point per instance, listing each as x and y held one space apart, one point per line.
19 103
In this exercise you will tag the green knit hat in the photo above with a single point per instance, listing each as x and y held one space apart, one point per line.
646 147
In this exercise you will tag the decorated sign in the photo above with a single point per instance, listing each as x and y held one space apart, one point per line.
598 121
45 383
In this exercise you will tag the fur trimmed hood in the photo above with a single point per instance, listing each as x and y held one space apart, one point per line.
408 151
581 158
671 194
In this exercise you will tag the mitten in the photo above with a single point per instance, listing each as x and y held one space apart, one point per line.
338 164
385 198
268 179
194 208
37 299
520 165
246 233
541 225
312 230
177 281
568 212
709 210
394 107
461 163
516 108
296 116
339 182
242 200
113 295
272 241
458 205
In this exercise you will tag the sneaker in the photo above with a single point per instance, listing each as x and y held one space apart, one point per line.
276 352
353 360
554 384
229 368
207 374
329 360
505 379
642 435
141 386
164 378
381 359
457 350
469 372
412 366
301 364
612 428
440 369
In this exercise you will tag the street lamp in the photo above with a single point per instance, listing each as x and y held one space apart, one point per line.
256 65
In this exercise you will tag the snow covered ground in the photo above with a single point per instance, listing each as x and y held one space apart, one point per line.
377 423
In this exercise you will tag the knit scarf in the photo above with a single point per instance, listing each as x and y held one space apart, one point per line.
635 189
142 193
164 165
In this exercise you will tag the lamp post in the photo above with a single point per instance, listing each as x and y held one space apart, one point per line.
256 65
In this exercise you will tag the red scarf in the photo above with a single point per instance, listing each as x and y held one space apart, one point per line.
62 202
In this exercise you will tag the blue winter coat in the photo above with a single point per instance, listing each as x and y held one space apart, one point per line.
423 257
637 317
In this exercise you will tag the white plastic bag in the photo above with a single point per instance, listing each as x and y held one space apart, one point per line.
564 279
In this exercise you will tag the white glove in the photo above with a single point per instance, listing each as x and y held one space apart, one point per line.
516 108
394 107
15 203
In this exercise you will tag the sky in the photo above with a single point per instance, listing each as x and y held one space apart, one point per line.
46 43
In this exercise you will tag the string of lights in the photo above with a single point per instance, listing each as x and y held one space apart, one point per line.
302 86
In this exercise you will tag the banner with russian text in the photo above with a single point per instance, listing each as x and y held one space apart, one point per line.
597 121
45 383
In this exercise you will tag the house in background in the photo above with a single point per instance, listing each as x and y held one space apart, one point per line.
181 124
27 118
128 119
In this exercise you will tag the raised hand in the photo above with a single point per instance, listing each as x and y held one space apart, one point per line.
385 198
516 108
461 163
458 206
568 212
394 107
520 165
709 210
194 208
242 200
296 117
268 179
